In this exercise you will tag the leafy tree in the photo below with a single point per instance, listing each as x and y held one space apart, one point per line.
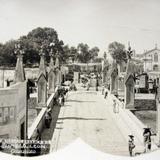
69 52
66 52
84 54
38 37
94 52
117 51
73 52
32 43
8 57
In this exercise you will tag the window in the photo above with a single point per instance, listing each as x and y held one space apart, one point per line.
155 57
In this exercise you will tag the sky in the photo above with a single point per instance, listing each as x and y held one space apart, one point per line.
95 22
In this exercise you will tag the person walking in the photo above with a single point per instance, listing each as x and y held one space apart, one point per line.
147 139
115 106
131 145
97 84
60 100
105 93
103 90
88 86
48 119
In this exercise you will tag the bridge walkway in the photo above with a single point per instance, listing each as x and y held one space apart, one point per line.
88 115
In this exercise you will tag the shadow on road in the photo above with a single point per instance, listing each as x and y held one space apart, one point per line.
78 101
80 118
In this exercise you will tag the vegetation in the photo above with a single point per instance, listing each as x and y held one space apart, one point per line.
85 54
118 52
32 42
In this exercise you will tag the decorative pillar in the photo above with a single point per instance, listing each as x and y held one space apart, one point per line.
19 75
76 77
51 74
58 71
104 68
114 79
129 92
42 81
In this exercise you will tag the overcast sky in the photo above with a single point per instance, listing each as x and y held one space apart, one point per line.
95 22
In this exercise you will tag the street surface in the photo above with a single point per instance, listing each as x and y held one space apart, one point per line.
88 115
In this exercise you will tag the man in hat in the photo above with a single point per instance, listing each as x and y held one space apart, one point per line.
131 144
147 139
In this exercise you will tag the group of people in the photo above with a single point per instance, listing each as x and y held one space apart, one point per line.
147 141
58 100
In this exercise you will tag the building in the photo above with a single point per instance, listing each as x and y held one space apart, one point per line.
151 63
151 60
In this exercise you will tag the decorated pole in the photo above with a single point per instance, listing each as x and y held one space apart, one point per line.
19 70
51 73
42 81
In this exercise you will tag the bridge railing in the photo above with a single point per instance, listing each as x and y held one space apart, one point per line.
39 122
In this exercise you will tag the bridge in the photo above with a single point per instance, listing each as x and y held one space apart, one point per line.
86 114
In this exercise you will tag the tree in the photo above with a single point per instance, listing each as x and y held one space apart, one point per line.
38 37
73 53
31 43
84 54
8 57
94 52
117 51
66 52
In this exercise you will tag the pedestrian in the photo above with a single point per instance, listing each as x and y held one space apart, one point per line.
147 139
103 90
88 85
97 83
131 145
66 93
48 119
115 106
105 93
61 100
122 102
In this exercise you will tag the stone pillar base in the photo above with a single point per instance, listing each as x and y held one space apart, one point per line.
130 107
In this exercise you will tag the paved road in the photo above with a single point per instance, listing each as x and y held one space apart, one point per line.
88 115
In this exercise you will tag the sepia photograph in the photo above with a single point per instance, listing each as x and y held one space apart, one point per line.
80 76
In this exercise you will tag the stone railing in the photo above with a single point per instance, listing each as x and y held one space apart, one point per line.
39 122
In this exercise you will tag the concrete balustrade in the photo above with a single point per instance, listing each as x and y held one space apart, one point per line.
39 122
131 124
